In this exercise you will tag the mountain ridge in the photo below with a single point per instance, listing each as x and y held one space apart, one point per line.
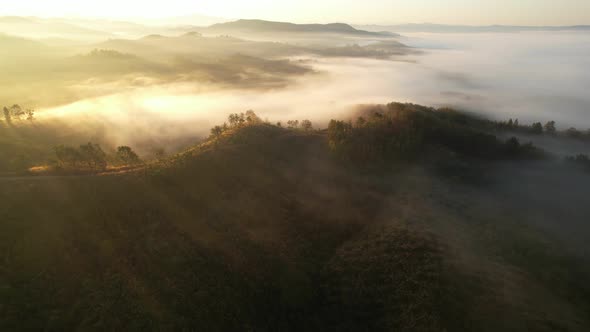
255 25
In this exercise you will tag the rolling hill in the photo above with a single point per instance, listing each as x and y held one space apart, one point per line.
265 228
269 27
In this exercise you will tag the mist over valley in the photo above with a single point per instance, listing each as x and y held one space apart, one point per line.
204 173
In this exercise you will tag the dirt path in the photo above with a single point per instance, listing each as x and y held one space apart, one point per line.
7 177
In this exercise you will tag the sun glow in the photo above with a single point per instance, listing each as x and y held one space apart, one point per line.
524 12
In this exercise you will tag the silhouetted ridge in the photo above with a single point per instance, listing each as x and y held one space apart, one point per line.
269 26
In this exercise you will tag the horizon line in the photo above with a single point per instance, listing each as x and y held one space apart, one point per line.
227 19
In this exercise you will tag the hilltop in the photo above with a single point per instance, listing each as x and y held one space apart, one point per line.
368 224
269 27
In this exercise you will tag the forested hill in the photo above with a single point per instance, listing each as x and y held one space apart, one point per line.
405 218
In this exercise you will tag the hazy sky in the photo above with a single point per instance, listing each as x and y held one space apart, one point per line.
523 12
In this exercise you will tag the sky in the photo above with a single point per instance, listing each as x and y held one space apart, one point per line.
472 12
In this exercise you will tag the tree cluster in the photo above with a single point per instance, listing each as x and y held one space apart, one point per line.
16 112
306 125
402 131
86 156
537 128
238 120
581 159
92 156
235 120
378 136
127 156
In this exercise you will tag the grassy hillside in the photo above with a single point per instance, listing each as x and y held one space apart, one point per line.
266 228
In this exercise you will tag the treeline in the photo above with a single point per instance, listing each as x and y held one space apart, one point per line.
235 120
296 124
537 128
403 131
399 131
580 160
22 144
18 113
91 156
238 120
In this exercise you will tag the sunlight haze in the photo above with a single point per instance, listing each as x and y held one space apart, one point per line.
523 12
297 165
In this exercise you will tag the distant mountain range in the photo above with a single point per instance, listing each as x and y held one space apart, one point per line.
260 26
443 28
100 29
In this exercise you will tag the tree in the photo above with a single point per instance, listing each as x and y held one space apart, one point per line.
338 132
67 156
16 111
510 123
516 123
376 116
360 121
93 155
512 146
233 119
550 128
306 125
127 155
241 119
237 120
293 124
216 132
513 141
7 115
252 118
537 128
30 114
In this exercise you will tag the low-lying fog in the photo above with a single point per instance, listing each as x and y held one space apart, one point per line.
538 76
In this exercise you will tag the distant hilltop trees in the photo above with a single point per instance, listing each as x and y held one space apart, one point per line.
110 54
17 113
538 128
91 156
238 120
400 131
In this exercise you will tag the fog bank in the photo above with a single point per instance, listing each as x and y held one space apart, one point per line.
530 76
